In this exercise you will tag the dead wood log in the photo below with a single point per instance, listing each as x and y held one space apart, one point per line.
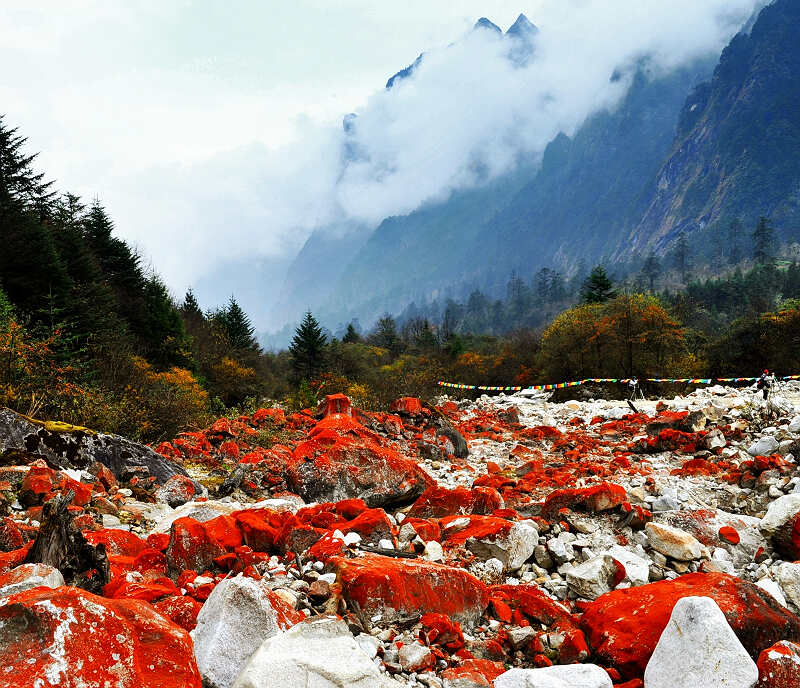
61 545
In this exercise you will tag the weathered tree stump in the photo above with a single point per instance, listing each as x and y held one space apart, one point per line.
61 545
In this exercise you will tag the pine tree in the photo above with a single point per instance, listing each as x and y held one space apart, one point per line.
682 256
651 269
351 336
597 288
237 327
763 242
308 348
190 308
386 335
735 242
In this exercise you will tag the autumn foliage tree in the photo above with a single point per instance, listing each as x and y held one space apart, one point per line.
632 334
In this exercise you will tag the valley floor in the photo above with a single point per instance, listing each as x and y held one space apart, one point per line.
508 541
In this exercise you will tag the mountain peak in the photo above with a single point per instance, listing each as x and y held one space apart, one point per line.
484 23
522 27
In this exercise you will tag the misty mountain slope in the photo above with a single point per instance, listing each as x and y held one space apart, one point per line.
588 190
575 205
419 256
318 266
737 151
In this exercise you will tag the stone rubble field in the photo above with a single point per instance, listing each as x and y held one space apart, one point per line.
508 542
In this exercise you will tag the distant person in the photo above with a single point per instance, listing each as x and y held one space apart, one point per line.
633 383
765 383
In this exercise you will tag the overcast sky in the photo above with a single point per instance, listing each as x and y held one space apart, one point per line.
211 130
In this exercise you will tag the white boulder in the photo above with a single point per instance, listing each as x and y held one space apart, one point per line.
318 653
561 676
763 446
779 513
238 616
673 542
788 577
699 648
512 549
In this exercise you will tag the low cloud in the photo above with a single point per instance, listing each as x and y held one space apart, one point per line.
466 115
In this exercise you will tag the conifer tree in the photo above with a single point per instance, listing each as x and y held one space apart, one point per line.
351 336
735 241
237 327
597 288
763 242
308 348
386 335
190 308
651 269
682 256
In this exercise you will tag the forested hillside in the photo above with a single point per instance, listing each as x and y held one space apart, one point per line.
88 333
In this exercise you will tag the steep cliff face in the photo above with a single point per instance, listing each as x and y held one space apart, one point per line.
588 192
736 149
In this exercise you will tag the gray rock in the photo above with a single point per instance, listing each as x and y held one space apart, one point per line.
565 676
415 657
594 577
233 623
794 425
68 446
636 568
318 653
699 648
764 446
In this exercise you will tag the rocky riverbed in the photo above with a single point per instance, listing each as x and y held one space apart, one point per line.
507 542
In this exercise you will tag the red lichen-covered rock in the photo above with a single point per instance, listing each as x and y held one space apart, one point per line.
10 535
537 607
473 673
260 528
407 406
12 559
71 638
441 630
372 525
458 530
341 459
335 404
779 666
402 587
118 542
37 484
602 497
180 609
623 626
194 545
437 502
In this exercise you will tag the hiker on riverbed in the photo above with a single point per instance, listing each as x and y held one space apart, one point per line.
765 383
